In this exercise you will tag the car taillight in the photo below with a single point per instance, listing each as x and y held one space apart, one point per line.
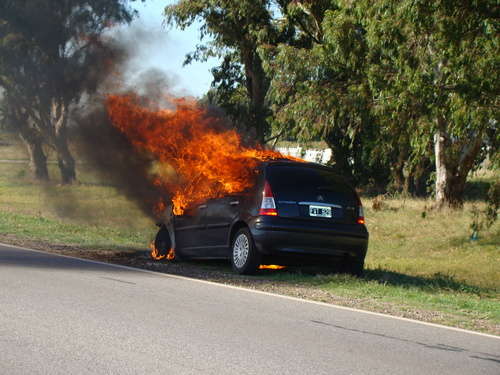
268 206
361 214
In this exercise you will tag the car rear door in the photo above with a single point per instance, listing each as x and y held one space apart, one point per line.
312 193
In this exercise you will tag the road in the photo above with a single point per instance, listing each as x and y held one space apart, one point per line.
61 315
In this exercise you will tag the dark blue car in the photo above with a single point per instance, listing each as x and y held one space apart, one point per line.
296 213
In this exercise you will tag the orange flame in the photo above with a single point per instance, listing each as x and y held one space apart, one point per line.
196 158
155 253
271 267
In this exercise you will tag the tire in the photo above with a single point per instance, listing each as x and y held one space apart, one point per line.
245 258
353 266
162 241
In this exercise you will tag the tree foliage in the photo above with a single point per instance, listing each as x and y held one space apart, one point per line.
320 88
437 61
384 82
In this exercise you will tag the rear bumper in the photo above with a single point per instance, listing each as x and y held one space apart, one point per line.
282 237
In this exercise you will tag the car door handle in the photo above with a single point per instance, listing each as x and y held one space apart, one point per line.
202 206
234 203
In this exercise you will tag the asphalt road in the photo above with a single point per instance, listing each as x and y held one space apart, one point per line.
61 315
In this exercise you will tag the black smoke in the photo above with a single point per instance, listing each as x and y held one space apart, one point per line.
113 158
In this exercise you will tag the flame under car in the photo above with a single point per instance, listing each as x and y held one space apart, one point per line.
295 213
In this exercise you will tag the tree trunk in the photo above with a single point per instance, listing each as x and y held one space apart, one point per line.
452 170
442 172
400 180
257 85
38 160
340 155
31 137
420 177
65 160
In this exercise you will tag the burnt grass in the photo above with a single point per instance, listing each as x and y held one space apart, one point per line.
296 282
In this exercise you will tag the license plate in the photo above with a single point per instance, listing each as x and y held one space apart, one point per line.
320 211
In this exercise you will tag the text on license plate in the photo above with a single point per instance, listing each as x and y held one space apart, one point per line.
320 211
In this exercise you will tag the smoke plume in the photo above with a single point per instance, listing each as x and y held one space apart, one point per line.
156 148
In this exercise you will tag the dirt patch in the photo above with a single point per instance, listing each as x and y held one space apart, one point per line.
220 272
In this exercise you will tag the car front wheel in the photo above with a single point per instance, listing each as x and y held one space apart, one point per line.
244 256
162 242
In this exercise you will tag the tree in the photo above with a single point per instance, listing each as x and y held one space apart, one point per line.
383 80
237 29
440 57
50 54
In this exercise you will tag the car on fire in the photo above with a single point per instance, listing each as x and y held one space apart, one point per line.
296 213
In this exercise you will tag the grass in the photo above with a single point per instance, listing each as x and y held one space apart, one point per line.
437 298
418 259
403 240
90 214
86 236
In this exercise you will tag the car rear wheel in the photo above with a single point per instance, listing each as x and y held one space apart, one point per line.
244 256
353 266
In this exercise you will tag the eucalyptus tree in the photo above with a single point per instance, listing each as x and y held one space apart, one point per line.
50 54
438 58
388 80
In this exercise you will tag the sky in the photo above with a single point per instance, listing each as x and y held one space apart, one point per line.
164 47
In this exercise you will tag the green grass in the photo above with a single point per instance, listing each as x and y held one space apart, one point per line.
90 213
437 298
85 236
416 261
404 241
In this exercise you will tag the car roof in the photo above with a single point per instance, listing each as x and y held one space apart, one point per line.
295 163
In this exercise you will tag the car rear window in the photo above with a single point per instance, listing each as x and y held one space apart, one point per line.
310 184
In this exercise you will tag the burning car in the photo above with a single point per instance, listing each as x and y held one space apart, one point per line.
230 198
294 213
